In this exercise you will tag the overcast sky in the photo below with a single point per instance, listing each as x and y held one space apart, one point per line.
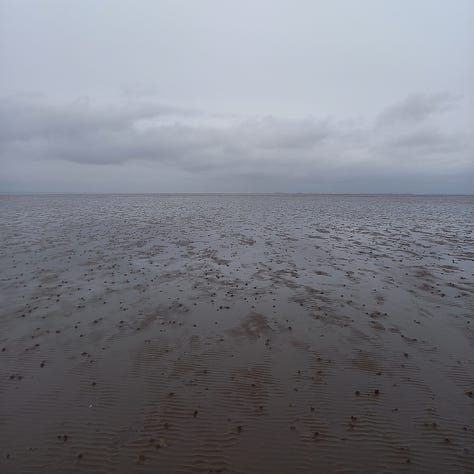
355 96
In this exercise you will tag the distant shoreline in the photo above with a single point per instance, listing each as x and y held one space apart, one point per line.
277 194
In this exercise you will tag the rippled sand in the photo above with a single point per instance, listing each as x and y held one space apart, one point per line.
244 334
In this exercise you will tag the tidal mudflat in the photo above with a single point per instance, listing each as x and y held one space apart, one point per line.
246 334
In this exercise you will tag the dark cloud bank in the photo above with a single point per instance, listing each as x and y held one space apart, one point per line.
137 145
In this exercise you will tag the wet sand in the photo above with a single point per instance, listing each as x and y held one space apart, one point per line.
245 334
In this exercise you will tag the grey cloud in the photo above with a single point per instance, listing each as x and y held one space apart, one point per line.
274 133
428 140
82 132
91 135
24 118
416 108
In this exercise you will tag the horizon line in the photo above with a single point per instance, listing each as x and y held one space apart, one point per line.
275 193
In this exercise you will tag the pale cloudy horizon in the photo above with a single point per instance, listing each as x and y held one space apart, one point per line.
340 97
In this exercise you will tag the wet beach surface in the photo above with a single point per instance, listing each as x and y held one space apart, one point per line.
247 334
